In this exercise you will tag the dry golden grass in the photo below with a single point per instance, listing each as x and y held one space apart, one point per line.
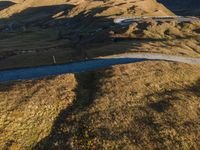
151 29
148 105
28 109
119 7
23 50
37 45
188 47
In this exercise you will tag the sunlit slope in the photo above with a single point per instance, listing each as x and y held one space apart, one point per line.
147 105
111 7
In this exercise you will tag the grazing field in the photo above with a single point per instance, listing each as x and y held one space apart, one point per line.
28 109
37 47
32 32
105 109
143 105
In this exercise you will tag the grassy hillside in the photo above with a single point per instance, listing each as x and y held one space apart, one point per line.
151 105
119 7
32 32
37 46
28 109
146 105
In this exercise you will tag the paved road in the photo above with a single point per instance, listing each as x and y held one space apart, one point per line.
128 21
44 71
151 56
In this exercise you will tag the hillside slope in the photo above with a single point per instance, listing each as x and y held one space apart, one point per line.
114 7
34 31
146 105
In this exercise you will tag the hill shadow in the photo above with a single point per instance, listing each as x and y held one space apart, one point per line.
36 16
81 33
182 7
5 4
82 30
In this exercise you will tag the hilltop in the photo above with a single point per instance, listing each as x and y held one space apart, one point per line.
107 8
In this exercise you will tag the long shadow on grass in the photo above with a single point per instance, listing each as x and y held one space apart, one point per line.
36 15
67 126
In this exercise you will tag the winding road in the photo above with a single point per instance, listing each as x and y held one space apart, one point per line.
89 65
128 21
